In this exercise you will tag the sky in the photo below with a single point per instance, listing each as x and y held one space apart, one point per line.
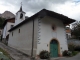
70 8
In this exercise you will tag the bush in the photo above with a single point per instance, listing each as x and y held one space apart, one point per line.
71 47
44 54
74 53
77 48
66 53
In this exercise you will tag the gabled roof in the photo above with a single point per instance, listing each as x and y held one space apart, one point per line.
9 20
44 13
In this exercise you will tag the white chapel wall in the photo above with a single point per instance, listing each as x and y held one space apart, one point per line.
6 28
46 34
23 41
4 31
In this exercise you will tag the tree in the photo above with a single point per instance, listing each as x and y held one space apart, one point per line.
76 29
1 22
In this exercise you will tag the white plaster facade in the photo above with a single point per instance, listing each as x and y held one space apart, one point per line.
17 18
46 34
23 41
43 34
6 28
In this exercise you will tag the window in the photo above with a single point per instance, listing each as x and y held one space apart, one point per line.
12 26
19 30
12 33
53 27
21 16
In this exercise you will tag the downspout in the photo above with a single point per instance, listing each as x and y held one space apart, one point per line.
32 39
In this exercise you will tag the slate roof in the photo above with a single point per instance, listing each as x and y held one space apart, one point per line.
44 13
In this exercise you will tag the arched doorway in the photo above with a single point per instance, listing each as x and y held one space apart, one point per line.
54 48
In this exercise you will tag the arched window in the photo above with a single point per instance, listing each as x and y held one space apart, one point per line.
21 15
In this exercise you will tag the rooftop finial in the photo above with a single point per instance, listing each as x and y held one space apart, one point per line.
20 10
21 7
21 3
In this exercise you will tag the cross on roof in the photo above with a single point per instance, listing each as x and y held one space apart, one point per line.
21 4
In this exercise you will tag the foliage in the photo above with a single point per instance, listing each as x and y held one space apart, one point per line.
1 22
5 53
66 53
69 53
74 49
76 29
74 53
44 54
77 48
71 47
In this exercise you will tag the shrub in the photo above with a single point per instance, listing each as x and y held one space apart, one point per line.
71 47
77 48
74 53
44 54
66 53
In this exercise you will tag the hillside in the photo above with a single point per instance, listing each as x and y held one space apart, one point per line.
7 14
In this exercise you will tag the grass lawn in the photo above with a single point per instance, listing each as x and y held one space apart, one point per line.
5 55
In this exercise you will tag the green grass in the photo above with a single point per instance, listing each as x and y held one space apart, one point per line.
5 53
75 53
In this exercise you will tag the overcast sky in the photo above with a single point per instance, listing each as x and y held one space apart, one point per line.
70 8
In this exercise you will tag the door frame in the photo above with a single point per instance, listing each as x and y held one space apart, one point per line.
59 54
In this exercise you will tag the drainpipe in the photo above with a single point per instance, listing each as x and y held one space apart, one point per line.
32 40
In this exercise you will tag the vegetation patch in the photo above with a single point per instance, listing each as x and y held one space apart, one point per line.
1 22
66 53
72 50
5 54
44 54
74 53
75 30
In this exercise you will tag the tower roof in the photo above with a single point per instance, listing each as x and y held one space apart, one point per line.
20 10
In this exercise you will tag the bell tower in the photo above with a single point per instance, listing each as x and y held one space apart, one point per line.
20 16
